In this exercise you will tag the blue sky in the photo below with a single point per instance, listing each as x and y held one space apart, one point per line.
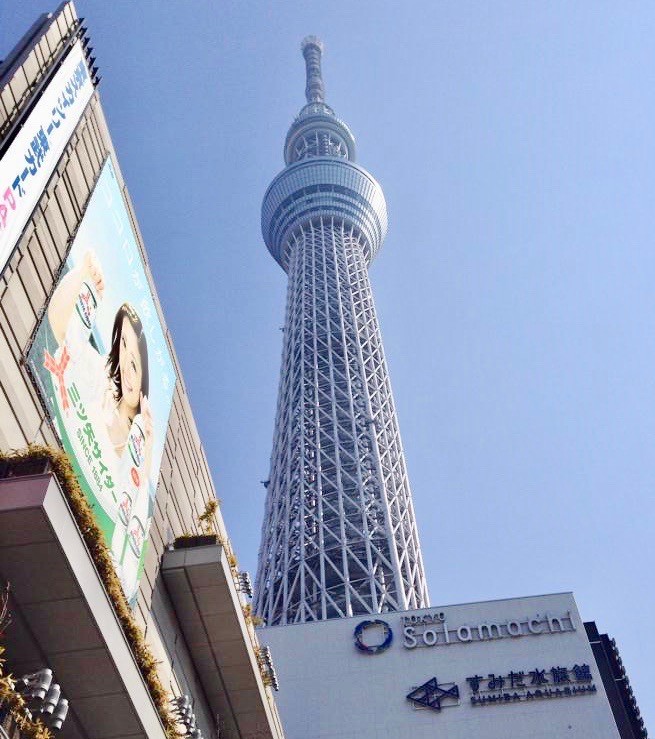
515 289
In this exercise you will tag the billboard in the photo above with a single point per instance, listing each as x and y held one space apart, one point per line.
32 156
100 360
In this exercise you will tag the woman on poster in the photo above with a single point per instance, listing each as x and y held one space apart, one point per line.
111 393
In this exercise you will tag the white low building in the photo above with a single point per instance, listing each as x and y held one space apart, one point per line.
520 667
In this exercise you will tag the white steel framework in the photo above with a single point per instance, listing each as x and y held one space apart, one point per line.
339 536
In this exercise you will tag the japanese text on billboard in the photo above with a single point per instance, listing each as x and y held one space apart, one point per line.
32 156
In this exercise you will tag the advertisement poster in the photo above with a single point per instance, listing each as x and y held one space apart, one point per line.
32 156
103 368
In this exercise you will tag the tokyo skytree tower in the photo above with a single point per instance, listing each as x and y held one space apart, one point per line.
339 536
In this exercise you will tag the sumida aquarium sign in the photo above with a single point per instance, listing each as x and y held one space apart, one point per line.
504 688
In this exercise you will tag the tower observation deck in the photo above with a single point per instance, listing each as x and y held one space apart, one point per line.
339 536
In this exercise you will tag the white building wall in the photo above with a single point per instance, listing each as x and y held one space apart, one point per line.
330 688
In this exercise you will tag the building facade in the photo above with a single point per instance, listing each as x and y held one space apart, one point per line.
617 684
339 535
87 365
515 667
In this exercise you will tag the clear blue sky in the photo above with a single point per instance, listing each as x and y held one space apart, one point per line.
514 141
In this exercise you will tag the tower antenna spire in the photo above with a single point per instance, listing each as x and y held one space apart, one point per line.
312 49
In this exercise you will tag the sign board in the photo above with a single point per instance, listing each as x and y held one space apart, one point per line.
32 156
102 365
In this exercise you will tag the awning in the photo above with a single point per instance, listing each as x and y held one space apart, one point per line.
63 618
221 643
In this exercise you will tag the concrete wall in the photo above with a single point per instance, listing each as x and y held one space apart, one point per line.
329 688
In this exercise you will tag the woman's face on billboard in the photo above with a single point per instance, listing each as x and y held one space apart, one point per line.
129 362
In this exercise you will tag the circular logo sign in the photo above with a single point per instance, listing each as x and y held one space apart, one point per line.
373 648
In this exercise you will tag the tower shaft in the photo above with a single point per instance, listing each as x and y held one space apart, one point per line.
339 536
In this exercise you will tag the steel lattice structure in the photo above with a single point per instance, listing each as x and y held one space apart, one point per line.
339 536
